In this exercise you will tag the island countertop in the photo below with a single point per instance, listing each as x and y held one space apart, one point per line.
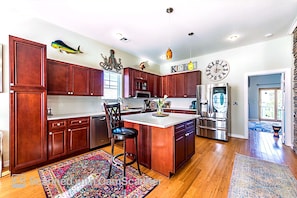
161 122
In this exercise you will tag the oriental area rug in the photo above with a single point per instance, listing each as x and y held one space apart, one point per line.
86 176
252 177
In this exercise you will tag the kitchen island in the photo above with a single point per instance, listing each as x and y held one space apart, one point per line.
165 144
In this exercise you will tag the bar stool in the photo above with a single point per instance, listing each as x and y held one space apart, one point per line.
116 131
1 152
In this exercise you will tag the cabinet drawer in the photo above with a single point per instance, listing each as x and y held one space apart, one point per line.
180 128
56 124
78 121
190 124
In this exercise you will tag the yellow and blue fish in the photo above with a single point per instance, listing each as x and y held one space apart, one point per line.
61 46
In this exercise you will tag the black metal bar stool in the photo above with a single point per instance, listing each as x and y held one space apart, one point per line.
116 131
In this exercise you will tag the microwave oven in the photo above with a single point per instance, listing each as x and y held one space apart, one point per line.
142 94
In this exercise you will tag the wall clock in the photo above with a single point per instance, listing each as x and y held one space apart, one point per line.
217 70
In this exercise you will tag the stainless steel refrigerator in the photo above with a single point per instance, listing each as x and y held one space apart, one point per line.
213 105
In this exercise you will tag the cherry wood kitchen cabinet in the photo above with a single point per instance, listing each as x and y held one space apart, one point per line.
154 85
164 150
57 138
28 101
78 134
184 143
67 136
144 142
191 80
67 79
136 80
182 85
96 82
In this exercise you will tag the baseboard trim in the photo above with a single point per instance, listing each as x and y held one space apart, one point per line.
6 163
238 136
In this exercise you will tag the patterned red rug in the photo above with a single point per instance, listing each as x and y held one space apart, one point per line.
85 176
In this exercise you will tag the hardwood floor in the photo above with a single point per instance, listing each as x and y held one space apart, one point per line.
207 174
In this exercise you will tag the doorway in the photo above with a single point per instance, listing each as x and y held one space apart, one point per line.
251 100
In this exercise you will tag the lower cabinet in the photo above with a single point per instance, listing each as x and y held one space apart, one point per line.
67 136
184 142
164 150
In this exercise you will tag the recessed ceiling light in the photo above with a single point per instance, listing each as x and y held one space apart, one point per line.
233 37
268 35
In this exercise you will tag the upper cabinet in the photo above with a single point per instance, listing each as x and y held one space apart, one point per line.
182 85
96 82
136 80
70 79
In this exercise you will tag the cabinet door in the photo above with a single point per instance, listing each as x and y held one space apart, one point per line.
180 150
154 84
164 80
80 80
78 134
180 85
96 82
190 144
78 139
190 138
57 145
192 79
27 129
58 78
57 138
27 63
129 83
171 86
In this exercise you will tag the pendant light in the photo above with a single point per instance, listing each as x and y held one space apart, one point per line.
169 51
190 64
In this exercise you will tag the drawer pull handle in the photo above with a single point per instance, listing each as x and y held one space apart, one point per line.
50 133
58 124
79 122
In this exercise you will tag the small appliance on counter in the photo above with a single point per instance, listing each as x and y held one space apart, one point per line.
193 104
149 106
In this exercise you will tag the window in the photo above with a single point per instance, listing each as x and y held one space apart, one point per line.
270 105
112 85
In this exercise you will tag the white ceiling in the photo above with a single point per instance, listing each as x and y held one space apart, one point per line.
150 30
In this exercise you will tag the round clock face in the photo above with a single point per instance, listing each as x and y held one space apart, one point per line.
217 70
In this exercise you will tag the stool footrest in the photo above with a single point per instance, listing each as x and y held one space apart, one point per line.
121 163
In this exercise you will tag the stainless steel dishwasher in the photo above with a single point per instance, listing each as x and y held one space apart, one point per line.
98 132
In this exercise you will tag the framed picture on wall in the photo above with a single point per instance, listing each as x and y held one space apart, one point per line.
1 69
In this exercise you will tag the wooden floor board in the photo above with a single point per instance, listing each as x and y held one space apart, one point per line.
207 174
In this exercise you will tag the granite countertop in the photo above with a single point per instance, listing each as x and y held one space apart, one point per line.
77 115
161 122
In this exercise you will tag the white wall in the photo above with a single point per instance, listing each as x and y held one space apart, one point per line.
270 55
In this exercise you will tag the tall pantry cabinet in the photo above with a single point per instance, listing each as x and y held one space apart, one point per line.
28 98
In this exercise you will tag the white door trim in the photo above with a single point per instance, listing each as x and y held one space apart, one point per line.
288 101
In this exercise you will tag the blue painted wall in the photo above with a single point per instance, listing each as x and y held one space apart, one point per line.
255 83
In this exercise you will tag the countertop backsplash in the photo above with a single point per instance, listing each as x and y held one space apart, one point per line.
74 104
90 104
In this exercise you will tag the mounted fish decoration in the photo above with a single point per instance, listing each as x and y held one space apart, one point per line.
61 46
